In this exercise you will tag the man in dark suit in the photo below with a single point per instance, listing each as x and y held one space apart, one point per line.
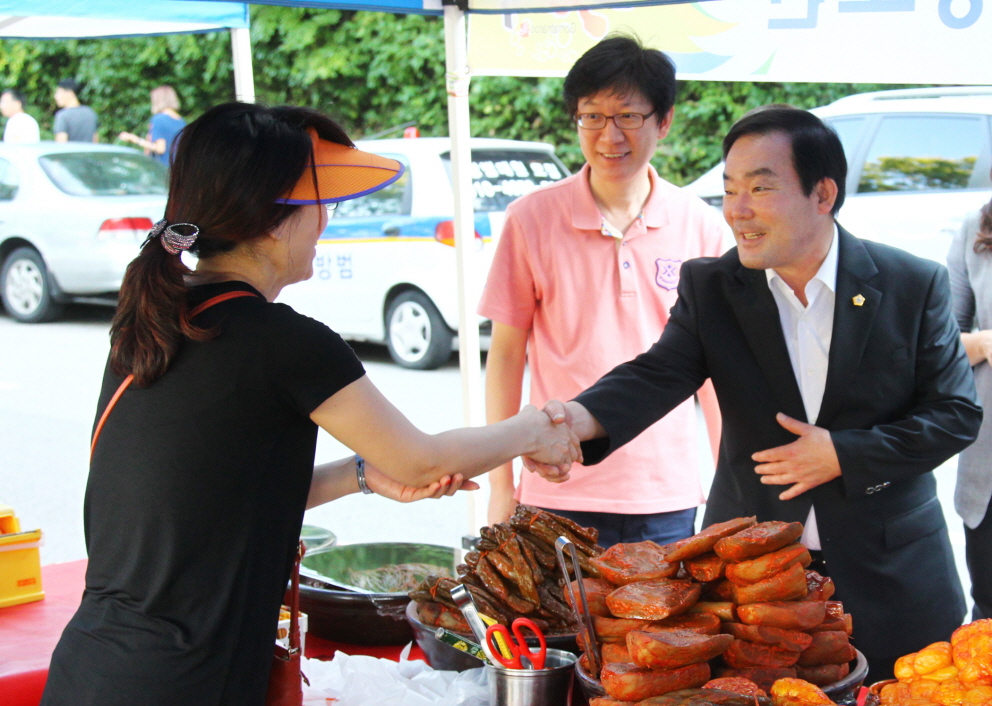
840 376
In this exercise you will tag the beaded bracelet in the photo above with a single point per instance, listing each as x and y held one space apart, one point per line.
360 471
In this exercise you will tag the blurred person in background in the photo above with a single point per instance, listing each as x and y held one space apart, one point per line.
970 265
583 278
200 476
164 127
21 128
74 122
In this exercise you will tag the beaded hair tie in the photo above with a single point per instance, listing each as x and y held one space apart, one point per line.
172 239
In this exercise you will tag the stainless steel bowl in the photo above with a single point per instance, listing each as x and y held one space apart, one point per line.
343 610
441 655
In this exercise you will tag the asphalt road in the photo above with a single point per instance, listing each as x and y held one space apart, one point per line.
49 381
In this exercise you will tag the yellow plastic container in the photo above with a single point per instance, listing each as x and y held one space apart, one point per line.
20 563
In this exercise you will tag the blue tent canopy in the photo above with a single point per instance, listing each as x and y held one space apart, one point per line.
76 19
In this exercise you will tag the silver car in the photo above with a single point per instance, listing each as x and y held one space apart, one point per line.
72 216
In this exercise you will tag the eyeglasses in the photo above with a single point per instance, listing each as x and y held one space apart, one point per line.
330 208
624 121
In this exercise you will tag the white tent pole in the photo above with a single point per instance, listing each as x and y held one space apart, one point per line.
458 77
244 80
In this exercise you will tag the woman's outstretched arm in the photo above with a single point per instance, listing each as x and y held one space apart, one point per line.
339 478
361 418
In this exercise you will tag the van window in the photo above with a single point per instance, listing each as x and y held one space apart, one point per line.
394 200
849 132
923 153
499 176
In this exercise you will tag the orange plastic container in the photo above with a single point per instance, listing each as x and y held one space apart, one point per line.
20 562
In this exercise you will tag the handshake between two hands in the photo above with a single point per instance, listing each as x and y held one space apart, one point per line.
560 446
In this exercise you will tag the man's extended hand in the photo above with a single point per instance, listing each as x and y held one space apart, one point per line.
807 462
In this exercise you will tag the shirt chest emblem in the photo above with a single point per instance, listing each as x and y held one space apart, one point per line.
667 273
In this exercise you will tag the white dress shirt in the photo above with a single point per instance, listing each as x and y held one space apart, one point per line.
808 330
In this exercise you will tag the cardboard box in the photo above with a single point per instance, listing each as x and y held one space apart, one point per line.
20 562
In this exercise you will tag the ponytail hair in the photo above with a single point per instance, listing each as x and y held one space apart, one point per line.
231 165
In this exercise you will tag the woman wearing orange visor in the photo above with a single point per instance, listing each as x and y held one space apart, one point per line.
200 475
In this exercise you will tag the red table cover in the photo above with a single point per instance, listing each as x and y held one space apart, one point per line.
29 633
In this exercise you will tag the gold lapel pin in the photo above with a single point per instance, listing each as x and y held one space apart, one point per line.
858 300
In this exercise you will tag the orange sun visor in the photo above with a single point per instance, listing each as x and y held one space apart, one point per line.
342 173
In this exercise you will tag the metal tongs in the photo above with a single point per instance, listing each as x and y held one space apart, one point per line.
466 604
580 604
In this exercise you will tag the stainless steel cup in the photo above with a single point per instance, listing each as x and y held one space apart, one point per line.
551 686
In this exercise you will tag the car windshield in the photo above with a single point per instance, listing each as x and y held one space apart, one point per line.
105 173
501 175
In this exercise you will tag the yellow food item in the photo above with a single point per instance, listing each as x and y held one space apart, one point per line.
894 694
978 696
950 693
917 664
923 688
797 692
971 648
943 675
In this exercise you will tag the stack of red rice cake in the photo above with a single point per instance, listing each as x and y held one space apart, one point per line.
785 625
736 596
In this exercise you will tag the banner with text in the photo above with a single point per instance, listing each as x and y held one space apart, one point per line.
861 41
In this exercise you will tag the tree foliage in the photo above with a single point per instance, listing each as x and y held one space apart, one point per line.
370 71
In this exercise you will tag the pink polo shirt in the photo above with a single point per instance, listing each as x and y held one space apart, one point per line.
592 301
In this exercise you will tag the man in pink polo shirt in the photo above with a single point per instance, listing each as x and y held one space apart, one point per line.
583 278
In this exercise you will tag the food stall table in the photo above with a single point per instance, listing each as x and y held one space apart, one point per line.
29 633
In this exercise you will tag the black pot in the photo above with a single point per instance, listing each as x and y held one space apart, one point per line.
355 618
359 616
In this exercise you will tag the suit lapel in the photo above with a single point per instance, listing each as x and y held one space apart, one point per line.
757 314
852 322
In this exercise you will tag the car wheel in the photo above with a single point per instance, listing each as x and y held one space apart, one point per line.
416 334
27 288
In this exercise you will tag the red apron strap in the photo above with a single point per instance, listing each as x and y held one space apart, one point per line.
220 298
106 412
130 378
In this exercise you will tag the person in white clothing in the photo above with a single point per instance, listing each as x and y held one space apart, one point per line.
21 128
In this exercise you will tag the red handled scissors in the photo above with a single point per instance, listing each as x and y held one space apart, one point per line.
517 644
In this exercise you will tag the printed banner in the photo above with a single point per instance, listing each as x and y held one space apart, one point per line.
863 41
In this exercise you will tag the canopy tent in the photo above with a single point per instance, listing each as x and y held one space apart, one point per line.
83 19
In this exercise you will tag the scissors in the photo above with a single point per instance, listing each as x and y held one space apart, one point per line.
517 644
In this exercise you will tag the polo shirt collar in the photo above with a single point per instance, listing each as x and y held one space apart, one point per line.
586 214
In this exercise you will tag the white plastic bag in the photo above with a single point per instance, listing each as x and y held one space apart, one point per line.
357 680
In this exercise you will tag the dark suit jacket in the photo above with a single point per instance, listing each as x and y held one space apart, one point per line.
899 400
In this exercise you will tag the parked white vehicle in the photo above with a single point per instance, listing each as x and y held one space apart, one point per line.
918 162
385 268
72 216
